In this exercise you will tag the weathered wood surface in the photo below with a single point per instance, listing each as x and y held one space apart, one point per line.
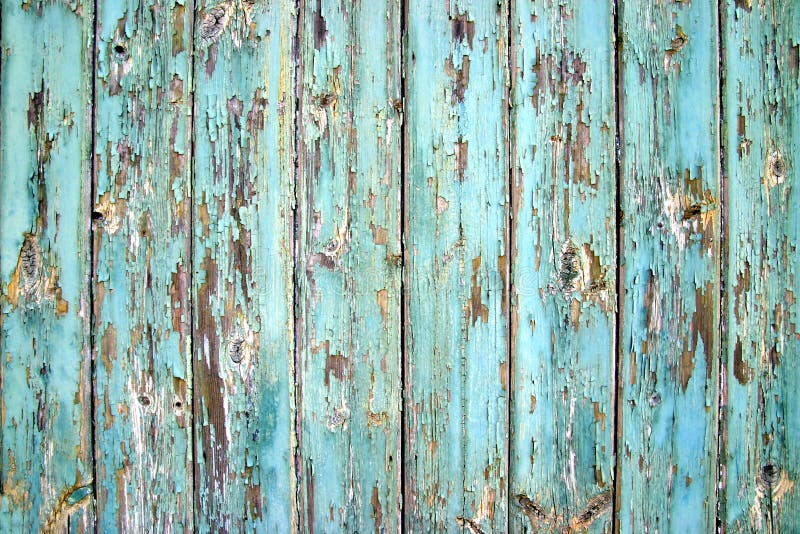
45 305
669 267
242 280
563 266
430 266
142 227
761 458
348 267
456 333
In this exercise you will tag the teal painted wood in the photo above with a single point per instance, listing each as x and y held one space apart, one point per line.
348 317
669 342
242 280
456 238
142 268
45 176
563 266
762 142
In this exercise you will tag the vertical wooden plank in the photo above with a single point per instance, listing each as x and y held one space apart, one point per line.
563 266
142 267
670 266
457 331
45 360
349 269
242 280
761 165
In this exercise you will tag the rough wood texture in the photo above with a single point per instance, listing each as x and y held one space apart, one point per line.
563 266
349 268
457 313
668 354
242 279
762 145
433 266
142 228
45 360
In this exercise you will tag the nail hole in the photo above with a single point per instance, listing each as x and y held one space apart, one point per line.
120 51
97 216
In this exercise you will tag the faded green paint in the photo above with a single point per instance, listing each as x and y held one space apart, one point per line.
45 360
242 278
670 221
761 46
563 266
141 223
399 266
456 334
348 315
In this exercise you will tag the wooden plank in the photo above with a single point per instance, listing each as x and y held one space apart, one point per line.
563 266
762 142
348 319
242 281
45 360
670 194
456 235
142 268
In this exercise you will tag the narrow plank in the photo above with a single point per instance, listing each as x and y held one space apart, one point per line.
563 266
669 341
456 233
242 279
762 169
349 270
141 222
45 176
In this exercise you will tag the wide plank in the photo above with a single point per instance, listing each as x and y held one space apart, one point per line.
348 266
242 287
563 266
46 470
669 276
761 458
142 231
456 214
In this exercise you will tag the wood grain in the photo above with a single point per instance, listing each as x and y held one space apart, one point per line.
242 279
348 322
142 231
45 353
457 270
761 132
670 195
563 266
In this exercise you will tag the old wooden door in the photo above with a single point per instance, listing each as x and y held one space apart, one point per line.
425 266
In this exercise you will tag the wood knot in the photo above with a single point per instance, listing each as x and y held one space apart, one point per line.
777 169
237 350
770 474
145 400
568 267
326 100
214 23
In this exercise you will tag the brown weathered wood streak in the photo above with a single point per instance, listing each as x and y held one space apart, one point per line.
669 341
45 361
242 278
141 285
762 168
348 321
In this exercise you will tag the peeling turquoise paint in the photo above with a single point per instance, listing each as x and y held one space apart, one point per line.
313 266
